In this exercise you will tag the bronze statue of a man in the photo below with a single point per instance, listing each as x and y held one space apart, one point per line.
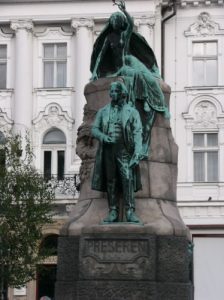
118 128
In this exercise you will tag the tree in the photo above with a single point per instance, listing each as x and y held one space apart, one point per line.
25 207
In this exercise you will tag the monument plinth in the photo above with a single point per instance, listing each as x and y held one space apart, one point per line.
123 261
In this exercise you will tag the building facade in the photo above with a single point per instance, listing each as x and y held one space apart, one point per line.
45 49
193 67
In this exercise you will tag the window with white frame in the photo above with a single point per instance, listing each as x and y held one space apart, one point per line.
54 144
55 65
205 63
205 155
3 66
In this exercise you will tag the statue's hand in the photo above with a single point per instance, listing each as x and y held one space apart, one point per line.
135 160
108 139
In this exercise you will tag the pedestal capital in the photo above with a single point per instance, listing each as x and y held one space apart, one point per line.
21 24
81 22
145 21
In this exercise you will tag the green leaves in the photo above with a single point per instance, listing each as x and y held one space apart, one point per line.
25 207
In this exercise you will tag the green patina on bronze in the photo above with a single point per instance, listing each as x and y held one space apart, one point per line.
120 52
118 128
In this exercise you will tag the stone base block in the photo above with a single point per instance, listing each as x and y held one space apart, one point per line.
102 264
123 290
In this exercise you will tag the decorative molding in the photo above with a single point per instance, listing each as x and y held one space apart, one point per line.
53 32
21 24
194 3
204 112
204 26
5 35
5 122
205 115
52 116
144 20
82 22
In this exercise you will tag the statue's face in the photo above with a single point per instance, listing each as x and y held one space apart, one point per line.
117 21
115 92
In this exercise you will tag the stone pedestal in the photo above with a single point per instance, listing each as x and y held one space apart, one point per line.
125 261
114 262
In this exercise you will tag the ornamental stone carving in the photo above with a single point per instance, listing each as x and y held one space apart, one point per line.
21 24
205 115
53 32
53 115
148 21
5 122
82 22
204 26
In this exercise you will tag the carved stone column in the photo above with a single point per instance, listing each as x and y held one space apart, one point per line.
145 27
23 75
84 41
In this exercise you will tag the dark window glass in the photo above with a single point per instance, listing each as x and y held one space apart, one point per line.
61 164
47 165
3 66
54 136
49 244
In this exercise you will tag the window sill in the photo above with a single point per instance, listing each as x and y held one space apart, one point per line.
207 183
6 90
56 89
203 87
200 184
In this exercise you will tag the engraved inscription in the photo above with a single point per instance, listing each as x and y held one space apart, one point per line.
115 258
115 250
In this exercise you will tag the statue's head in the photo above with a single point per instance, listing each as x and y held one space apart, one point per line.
118 91
118 21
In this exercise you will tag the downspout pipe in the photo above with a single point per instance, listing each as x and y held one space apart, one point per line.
173 7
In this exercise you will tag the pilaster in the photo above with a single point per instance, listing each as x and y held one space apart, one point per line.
23 75
83 45
145 26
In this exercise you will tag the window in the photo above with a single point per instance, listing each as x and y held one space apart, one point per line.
49 245
205 63
3 66
205 151
54 143
55 65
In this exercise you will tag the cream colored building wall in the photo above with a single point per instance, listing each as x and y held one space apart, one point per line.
186 99
26 105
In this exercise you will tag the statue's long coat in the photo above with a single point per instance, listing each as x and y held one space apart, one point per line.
132 134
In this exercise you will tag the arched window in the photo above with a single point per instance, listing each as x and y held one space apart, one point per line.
54 144
54 136
49 245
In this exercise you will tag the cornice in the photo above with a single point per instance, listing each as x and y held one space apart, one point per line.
45 1
194 3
